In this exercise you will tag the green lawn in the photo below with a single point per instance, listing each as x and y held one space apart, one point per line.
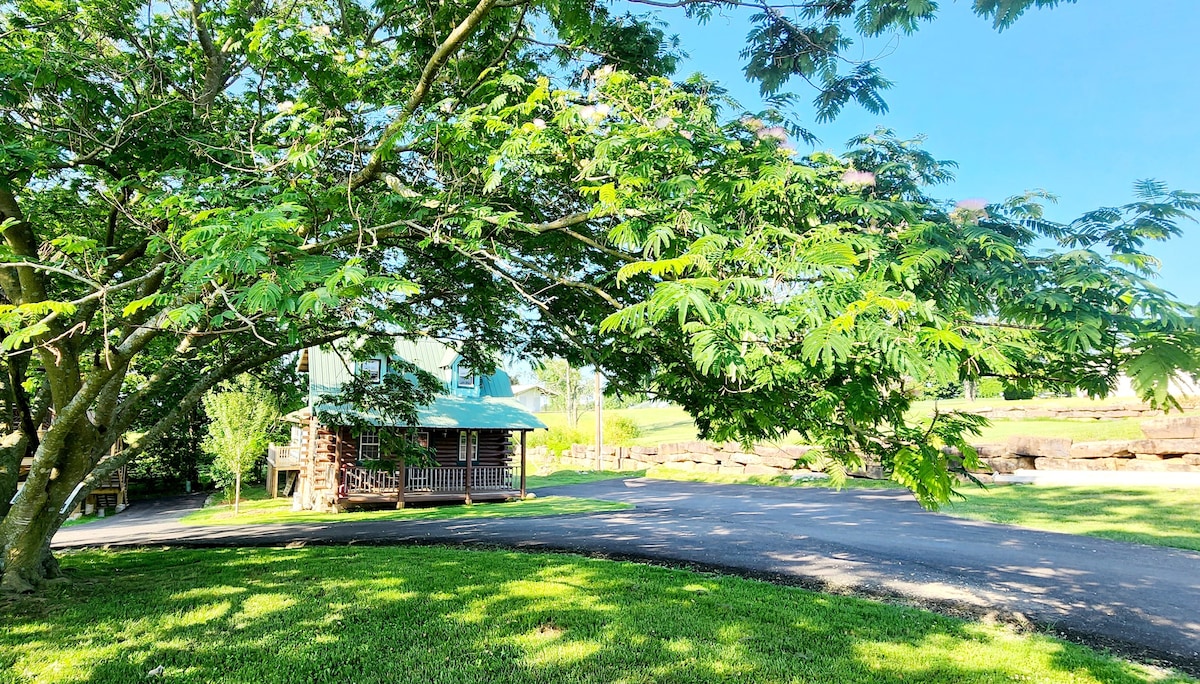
434 614
267 511
1163 517
570 477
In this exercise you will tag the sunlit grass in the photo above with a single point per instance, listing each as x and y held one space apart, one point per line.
1163 517
432 614
279 511
570 477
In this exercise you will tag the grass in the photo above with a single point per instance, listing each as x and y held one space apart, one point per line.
1162 517
262 511
434 614
570 477
85 519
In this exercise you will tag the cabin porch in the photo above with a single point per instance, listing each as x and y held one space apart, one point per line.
437 484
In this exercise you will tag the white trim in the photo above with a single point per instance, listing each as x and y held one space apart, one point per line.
365 440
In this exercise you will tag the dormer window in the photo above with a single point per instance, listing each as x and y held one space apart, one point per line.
372 367
465 377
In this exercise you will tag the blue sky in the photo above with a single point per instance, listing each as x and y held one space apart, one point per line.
1081 100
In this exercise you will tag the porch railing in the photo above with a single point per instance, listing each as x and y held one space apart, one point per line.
433 480
285 457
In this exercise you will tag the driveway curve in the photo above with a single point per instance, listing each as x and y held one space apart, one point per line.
1140 600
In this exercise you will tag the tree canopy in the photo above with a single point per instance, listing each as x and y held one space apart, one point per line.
188 191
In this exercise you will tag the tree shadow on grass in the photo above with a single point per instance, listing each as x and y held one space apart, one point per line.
1151 516
430 614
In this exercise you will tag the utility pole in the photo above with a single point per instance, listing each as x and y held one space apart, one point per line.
570 413
599 421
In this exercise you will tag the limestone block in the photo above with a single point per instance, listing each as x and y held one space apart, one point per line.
731 470
1146 466
1050 447
1050 464
1192 459
1002 465
629 464
991 450
1175 427
643 451
781 461
706 468
797 450
1165 446
701 448
1105 449
709 457
1149 457
753 469
683 465
1093 463
745 459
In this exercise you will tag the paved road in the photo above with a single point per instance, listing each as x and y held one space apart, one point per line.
1141 600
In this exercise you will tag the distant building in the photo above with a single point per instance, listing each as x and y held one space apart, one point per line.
1182 387
534 398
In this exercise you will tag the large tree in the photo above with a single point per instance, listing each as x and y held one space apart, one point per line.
189 190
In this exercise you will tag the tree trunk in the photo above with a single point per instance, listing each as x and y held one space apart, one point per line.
237 492
41 508
27 560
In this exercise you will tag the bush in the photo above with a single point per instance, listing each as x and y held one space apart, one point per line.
1016 392
620 430
558 439
989 388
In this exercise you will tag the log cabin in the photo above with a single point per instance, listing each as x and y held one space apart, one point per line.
474 430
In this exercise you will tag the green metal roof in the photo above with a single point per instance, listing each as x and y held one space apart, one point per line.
483 413
490 406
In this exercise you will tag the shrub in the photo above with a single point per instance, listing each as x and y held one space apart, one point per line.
1015 392
557 439
620 430
989 388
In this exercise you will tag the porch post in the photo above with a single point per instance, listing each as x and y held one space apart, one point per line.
337 467
467 481
272 481
401 483
523 433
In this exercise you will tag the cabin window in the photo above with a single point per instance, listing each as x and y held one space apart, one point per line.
465 377
468 442
423 440
368 446
372 367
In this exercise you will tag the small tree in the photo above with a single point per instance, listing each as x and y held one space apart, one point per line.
240 423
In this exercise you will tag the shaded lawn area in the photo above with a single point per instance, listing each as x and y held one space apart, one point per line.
1162 517
436 614
277 511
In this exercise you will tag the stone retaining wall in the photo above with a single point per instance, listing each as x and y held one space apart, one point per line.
1170 445
700 457
1102 412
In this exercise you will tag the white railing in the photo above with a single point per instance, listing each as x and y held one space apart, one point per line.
285 456
436 479
364 480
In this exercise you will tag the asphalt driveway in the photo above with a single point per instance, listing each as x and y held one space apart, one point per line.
1139 599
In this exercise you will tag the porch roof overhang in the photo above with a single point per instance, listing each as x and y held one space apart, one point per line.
466 413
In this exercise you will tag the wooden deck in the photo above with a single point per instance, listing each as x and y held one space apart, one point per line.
389 499
361 486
